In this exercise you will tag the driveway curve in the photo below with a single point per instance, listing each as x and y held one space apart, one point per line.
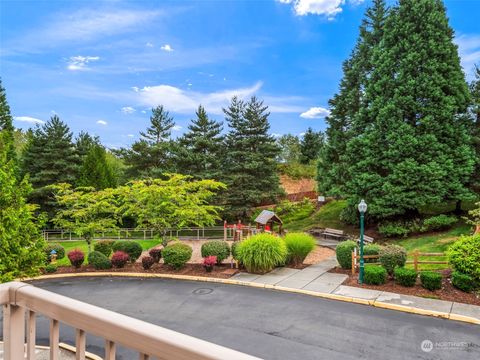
267 323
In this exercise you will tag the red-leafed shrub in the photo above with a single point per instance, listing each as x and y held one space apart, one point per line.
76 257
119 259
209 262
156 254
147 262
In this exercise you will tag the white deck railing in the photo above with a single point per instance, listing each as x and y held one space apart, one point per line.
22 302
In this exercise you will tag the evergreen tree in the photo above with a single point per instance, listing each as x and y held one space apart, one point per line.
50 157
345 105
84 142
200 148
289 148
250 167
96 171
411 146
152 154
6 123
310 146
475 111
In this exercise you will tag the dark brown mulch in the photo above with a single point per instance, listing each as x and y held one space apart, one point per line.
220 271
448 292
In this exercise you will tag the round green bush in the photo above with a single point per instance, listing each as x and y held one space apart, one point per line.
464 256
405 277
132 248
104 246
463 282
391 256
344 253
299 245
59 249
371 249
431 280
262 253
439 222
50 268
176 255
99 261
375 275
217 248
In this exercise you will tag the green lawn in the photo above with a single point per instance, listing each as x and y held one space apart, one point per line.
82 245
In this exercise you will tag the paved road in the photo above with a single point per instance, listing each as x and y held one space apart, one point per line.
270 324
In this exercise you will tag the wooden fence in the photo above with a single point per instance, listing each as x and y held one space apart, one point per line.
416 259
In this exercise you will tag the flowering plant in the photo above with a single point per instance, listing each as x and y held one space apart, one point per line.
209 262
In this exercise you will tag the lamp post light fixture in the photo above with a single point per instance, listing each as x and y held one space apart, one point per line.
362 208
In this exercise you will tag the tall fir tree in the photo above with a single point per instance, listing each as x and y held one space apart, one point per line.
200 149
84 142
152 155
250 167
345 105
6 124
310 146
411 146
475 113
96 171
50 157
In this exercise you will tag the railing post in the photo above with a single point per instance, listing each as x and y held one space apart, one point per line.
54 339
13 332
80 343
109 350
31 335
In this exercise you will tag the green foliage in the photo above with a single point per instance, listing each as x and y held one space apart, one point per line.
344 253
405 277
393 229
371 249
176 255
7 128
440 222
375 275
475 215
50 268
96 171
262 253
59 249
431 280
249 163
299 245
131 247
391 256
217 248
234 250
475 115
292 211
99 260
104 246
310 146
289 150
463 282
464 256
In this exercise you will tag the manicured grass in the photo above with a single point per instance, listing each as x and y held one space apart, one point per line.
82 245
438 242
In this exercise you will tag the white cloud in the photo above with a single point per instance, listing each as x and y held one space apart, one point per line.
469 50
149 44
28 119
131 135
128 110
102 122
80 62
315 113
328 8
166 48
176 128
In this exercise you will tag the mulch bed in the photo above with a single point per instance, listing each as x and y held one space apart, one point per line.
448 292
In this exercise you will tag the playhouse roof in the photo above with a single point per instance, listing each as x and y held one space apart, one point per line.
267 216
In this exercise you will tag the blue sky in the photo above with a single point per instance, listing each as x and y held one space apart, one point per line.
101 65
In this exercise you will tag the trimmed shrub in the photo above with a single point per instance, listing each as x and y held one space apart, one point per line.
217 248
156 254
375 275
391 256
76 257
439 222
176 255
299 245
147 262
104 246
234 250
209 262
99 261
464 256
262 253
463 282
119 259
393 230
132 248
371 249
431 280
344 253
50 268
405 277
59 249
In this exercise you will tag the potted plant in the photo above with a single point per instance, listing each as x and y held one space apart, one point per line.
209 262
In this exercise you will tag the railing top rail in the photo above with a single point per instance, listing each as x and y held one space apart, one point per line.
129 332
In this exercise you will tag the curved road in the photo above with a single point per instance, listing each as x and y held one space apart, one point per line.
267 323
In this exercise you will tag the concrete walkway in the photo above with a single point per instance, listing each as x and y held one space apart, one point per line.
316 278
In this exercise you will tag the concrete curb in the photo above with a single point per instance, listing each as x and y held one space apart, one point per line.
375 303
